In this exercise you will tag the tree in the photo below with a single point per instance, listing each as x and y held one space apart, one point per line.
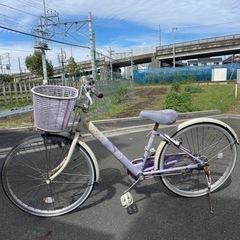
72 67
6 78
33 63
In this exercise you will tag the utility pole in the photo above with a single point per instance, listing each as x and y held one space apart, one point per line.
44 28
8 66
173 43
1 66
20 69
111 63
63 57
42 44
160 37
43 47
132 78
92 46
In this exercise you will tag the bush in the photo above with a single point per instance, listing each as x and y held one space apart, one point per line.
176 86
121 93
179 102
193 89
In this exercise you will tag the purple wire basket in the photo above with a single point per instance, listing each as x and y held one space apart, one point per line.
52 106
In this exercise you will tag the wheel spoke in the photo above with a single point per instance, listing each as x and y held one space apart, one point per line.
27 169
212 144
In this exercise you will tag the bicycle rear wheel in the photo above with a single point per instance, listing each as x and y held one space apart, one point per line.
28 166
211 143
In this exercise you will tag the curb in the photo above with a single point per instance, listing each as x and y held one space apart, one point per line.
136 127
181 117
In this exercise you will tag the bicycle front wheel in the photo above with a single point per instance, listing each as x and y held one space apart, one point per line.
210 142
27 168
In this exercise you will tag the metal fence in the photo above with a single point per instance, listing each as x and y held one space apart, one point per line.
14 93
194 73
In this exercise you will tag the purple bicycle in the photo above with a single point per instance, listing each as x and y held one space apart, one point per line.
55 172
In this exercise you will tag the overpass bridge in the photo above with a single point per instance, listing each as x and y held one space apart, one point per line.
202 48
209 47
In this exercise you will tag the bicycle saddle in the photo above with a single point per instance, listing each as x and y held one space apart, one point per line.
166 116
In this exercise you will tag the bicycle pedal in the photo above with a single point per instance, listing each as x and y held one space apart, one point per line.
126 199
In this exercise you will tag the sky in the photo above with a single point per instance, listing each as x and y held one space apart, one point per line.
119 26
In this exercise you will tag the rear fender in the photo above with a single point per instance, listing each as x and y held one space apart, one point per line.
188 123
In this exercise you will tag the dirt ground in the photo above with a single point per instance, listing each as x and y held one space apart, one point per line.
234 110
142 99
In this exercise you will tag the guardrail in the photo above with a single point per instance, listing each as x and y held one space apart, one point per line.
201 41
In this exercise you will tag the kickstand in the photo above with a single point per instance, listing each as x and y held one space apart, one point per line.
209 182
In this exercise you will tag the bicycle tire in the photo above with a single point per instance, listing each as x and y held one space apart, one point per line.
212 143
26 169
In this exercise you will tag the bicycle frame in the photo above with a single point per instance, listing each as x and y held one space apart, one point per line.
138 170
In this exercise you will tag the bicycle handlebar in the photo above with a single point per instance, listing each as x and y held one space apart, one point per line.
96 92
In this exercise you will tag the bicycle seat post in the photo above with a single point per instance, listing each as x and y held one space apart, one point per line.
156 125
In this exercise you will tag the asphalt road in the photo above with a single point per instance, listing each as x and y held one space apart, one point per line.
158 213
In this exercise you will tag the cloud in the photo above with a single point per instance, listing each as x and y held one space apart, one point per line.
151 13
120 25
141 12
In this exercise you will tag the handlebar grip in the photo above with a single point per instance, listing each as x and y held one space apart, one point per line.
96 92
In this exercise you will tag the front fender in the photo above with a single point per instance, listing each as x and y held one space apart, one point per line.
92 155
188 123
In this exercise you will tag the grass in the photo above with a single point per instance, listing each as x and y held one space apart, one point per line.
210 97
221 97
17 121
5 106
22 101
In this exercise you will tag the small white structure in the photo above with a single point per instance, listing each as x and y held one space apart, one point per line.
219 74
238 76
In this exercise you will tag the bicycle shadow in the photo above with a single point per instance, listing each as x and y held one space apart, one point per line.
147 191
104 190
158 186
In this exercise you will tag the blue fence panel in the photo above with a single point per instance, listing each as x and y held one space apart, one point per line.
168 75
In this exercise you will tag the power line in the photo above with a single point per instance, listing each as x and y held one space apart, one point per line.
48 39
18 50
13 21
18 10
208 25
32 2
64 31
